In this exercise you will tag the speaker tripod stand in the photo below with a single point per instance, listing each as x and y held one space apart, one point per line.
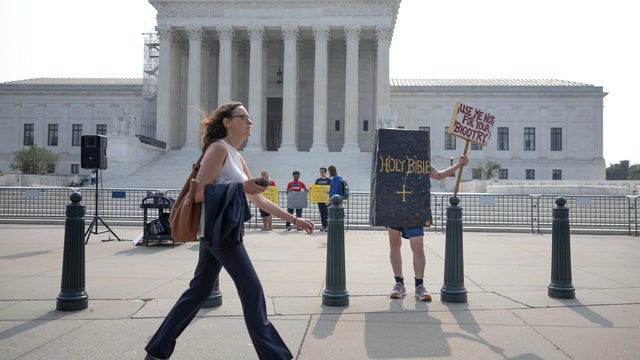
93 227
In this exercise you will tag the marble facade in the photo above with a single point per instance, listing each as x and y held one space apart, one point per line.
333 57
334 92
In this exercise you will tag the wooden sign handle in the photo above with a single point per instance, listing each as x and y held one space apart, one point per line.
455 191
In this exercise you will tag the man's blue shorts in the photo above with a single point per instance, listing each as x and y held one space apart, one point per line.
409 232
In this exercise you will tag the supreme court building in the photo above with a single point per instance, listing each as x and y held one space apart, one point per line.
314 76
310 72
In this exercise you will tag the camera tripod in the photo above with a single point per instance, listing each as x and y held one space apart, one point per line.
94 223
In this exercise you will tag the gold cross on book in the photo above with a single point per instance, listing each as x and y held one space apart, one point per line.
404 192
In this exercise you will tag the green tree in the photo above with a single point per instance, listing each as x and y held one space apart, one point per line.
491 169
34 160
618 171
634 172
486 170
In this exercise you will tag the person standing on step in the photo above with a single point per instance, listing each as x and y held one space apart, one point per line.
267 219
335 187
295 186
322 206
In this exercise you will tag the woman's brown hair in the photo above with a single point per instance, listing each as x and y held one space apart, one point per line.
212 127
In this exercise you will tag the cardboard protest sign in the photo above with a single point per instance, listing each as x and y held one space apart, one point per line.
271 194
400 179
471 123
318 193
297 200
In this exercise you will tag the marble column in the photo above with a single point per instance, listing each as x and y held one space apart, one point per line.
289 89
178 91
194 87
214 70
256 34
163 109
206 77
225 38
351 103
321 35
383 36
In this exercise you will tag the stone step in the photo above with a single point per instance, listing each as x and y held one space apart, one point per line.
171 168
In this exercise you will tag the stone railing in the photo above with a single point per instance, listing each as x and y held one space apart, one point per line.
553 187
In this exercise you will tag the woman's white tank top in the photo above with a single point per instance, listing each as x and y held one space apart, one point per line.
232 172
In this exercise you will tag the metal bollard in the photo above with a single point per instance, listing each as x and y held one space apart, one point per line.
215 298
336 293
453 289
560 286
72 294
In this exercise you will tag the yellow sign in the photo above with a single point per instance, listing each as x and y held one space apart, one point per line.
319 193
271 194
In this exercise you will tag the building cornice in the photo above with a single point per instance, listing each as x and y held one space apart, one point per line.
262 9
70 85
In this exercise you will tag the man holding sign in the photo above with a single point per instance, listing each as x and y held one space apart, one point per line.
400 198
320 192
272 194
296 197
416 241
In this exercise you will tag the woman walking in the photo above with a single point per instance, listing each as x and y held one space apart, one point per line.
223 132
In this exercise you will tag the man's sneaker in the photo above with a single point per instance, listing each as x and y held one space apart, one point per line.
422 294
324 228
398 291
288 228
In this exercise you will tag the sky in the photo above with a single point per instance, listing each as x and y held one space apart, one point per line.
585 41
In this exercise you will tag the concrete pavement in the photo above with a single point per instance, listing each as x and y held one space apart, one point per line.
508 315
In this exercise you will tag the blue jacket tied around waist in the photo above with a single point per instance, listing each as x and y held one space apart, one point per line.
225 211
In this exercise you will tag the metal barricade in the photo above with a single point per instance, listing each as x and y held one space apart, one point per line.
495 212
589 212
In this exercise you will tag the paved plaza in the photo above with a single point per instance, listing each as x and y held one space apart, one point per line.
508 314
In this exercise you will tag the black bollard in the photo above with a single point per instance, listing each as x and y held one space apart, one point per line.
72 293
453 289
560 286
215 298
336 293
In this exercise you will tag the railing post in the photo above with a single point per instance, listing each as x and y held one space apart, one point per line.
453 289
336 293
561 286
72 289
636 215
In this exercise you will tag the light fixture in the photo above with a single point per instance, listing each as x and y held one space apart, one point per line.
279 72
